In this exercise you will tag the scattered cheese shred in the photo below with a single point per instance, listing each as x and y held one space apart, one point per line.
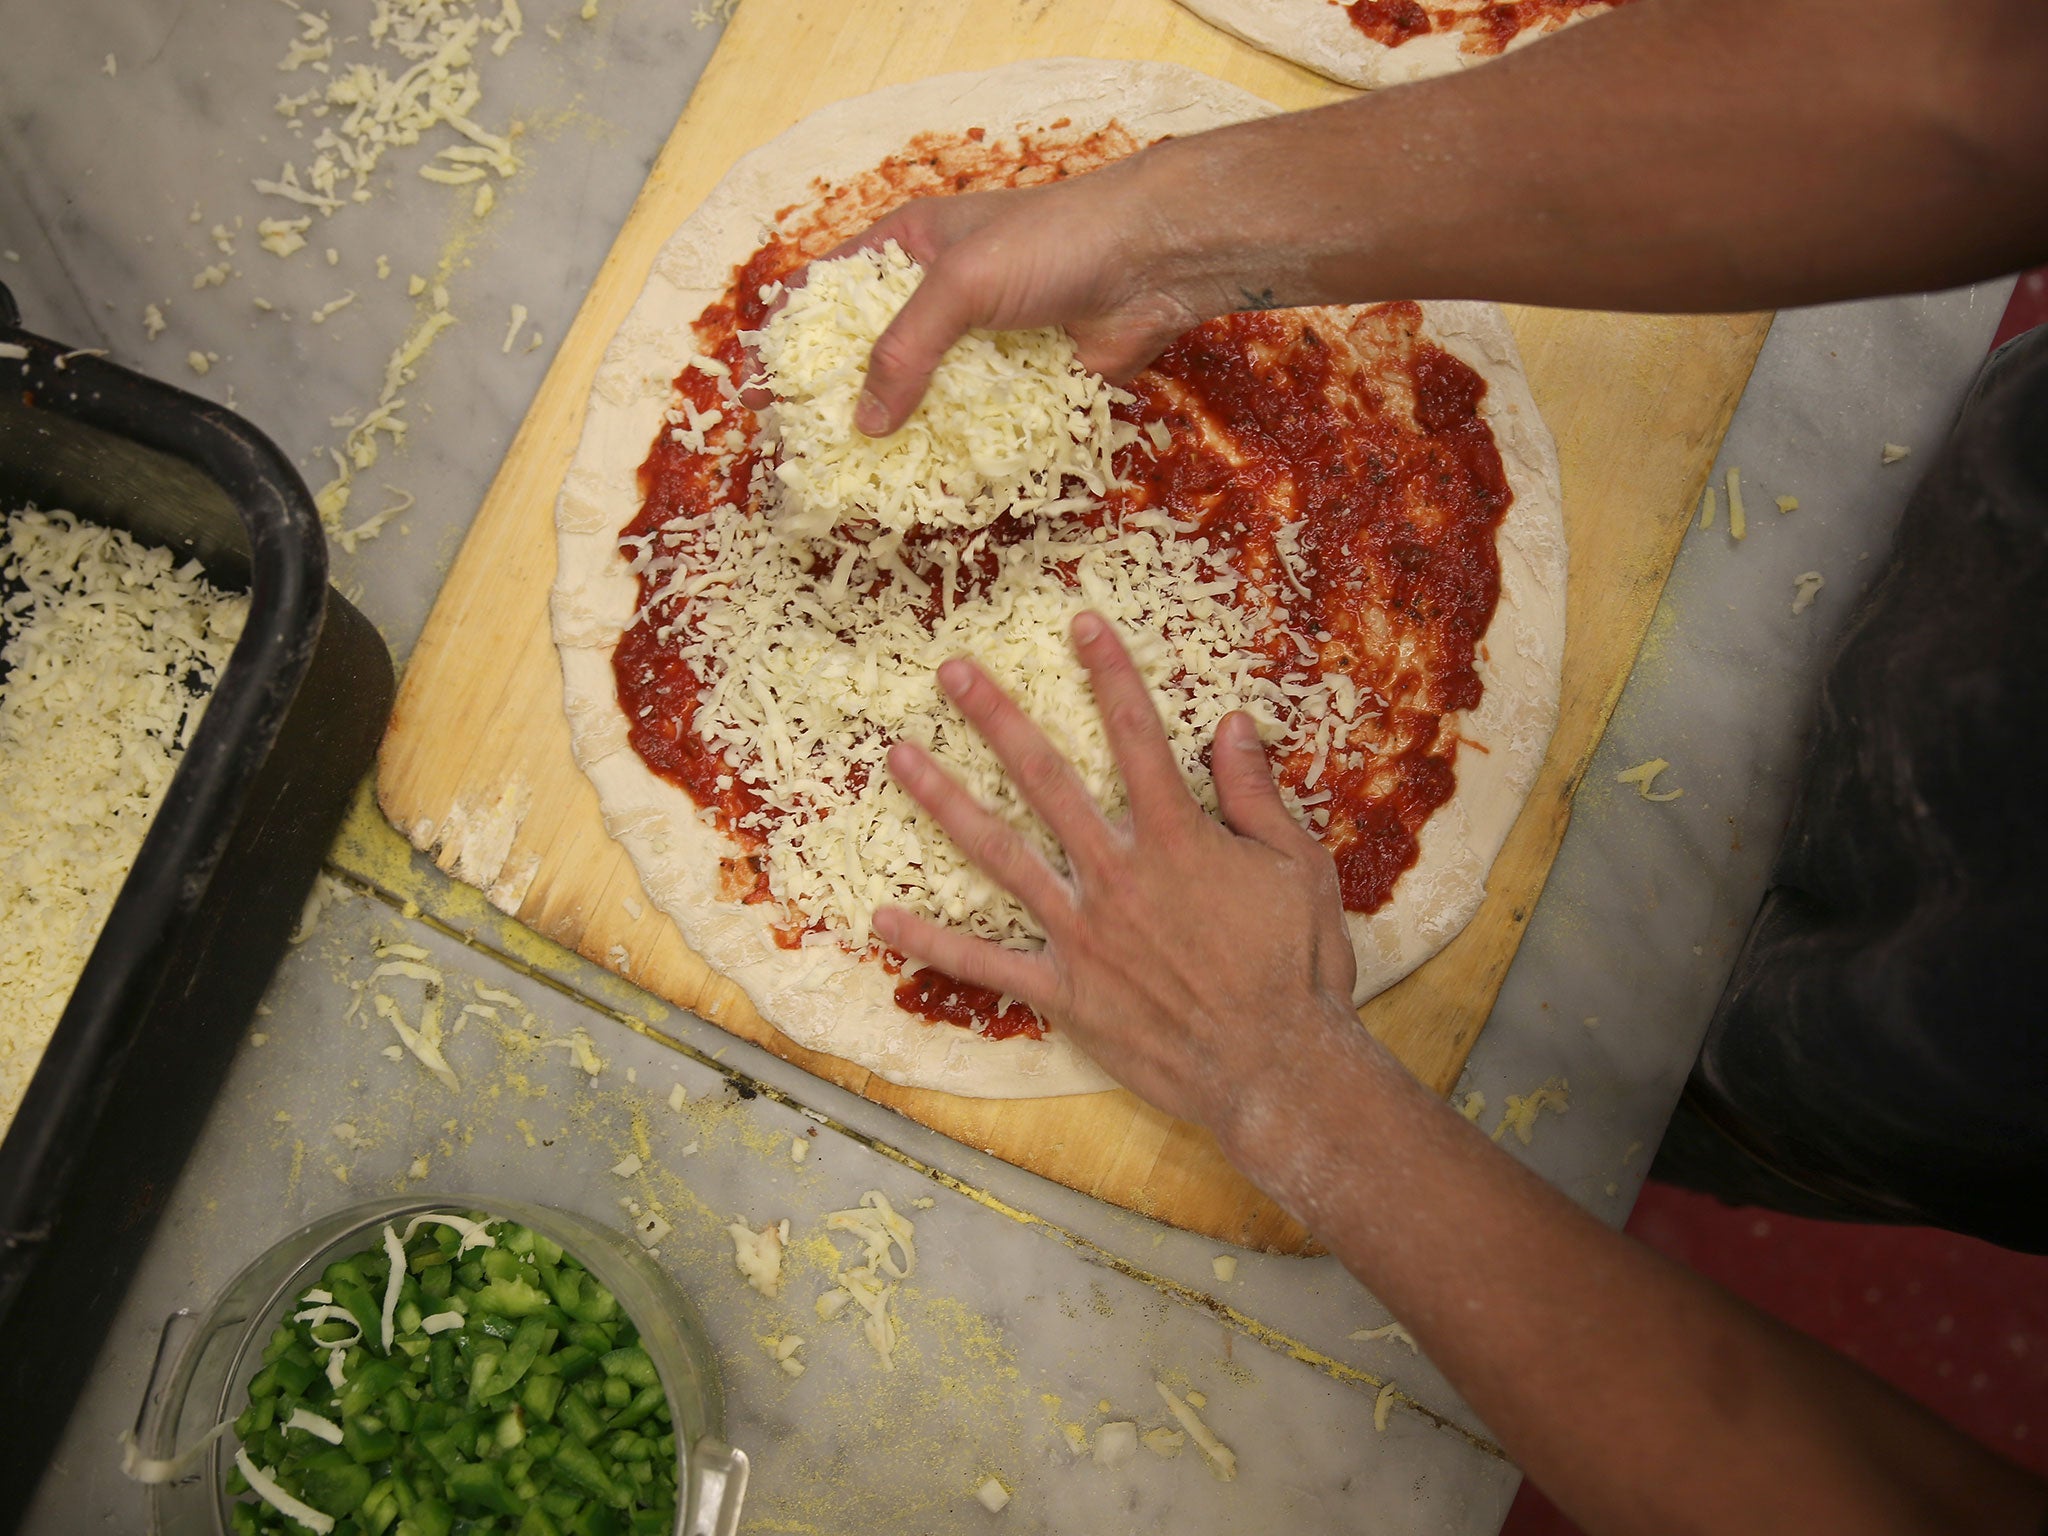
473 1234
1392 1331
512 330
1522 1109
313 1424
1383 1408
1893 452
1738 517
1708 503
1222 1460
394 1281
1805 588
1010 417
1225 1267
1643 775
271 1492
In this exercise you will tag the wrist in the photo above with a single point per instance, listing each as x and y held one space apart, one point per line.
1296 1119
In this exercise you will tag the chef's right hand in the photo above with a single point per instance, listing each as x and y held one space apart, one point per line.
1202 963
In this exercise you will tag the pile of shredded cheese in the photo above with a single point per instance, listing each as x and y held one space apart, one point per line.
112 648
1011 424
809 679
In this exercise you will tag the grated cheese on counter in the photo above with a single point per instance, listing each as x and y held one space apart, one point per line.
1010 419
111 649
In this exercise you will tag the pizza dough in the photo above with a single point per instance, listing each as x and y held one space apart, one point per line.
1320 35
822 997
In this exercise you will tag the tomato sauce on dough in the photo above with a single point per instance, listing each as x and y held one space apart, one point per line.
1339 457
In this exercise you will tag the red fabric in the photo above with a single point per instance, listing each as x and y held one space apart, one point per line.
1957 1324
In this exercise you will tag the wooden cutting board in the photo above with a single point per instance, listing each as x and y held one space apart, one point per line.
476 768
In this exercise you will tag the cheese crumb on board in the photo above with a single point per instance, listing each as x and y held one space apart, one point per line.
1708 503
1473 1105
1009 419
1522 1109
112 648
1224 1266
110 67
1805 588
994 1497
213 276
281 237
1738 516
1788 503
198 362
512 331
153 322
1893 452
1643 775
783 1349
759 1254
677 1098
1222 1460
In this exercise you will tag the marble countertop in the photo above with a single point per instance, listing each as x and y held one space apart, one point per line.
128 132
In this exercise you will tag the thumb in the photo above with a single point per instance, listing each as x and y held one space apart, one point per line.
943 309
1245 791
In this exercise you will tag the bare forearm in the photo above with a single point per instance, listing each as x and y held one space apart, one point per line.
1677 155
1641 1397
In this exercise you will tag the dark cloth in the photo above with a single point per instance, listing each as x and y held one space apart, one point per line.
1881 1052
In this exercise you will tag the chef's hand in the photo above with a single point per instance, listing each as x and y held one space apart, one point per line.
1196 961
1086 253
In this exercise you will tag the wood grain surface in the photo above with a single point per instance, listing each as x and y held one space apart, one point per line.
476 768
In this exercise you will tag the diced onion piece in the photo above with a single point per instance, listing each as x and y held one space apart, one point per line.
441 1322
474 1235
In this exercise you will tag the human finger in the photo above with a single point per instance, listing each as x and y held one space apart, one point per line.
1047 781
994 846
1245 791
1137 736
946 306
978 962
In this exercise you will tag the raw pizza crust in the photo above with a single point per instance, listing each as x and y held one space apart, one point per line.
823 998
1318 35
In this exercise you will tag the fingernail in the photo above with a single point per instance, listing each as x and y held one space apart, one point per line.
956 677
1088 627
869 415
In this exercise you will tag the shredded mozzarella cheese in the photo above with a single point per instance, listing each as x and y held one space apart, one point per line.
112 648
1009 420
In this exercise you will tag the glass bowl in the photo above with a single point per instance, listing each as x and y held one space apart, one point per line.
205 1360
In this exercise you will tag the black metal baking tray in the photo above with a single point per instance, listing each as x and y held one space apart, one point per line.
199 926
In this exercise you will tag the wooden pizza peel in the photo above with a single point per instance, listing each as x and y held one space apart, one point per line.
476 767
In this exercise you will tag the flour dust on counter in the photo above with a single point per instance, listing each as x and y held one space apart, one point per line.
111 650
